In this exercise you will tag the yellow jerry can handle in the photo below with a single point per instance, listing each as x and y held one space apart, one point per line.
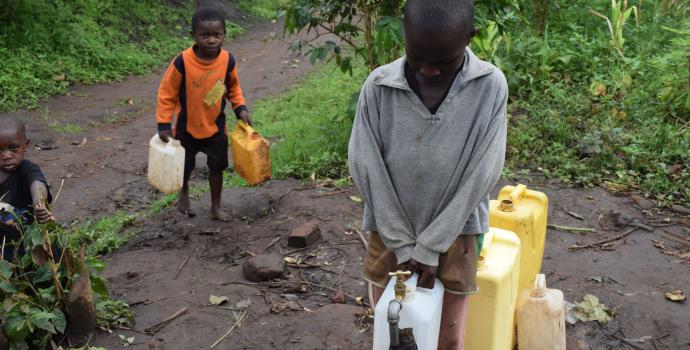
518 193
247 129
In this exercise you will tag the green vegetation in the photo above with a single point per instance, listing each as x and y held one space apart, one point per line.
34 287
48 45
309 126
266 9
590 103
67 128
599 105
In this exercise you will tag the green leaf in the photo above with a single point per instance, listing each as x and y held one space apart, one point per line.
98 286
589 309
16 328
60 322
7 287
19 345
5 269
43 274
34 236
42 319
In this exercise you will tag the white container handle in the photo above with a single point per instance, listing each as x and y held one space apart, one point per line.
540 281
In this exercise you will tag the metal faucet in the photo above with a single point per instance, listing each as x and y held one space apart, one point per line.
399 339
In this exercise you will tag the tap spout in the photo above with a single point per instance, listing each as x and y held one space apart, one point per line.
394 308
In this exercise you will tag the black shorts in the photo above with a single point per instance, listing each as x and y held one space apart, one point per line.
215 148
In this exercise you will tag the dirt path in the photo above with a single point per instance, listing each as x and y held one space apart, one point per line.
104 170
631 278
103 164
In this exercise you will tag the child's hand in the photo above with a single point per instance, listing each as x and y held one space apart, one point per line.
42 214
165 135
246 118
427 274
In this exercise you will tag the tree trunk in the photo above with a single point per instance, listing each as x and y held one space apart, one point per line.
369 36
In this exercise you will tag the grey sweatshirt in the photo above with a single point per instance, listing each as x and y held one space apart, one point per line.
425 178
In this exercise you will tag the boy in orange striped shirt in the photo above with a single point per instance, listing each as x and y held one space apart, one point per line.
194 88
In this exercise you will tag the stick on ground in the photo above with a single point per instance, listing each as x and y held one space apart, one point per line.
571 229
600 244
160 325
237 323
179 269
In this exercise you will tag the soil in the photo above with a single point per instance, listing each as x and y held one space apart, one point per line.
175 262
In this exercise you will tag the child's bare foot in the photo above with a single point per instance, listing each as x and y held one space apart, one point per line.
183 205
220 215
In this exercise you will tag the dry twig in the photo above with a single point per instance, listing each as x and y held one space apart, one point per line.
160 325
571 229
243 314
179 269
602 244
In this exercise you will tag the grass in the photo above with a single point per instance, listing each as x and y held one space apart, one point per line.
104 235
66 128
309 126
266 9
48 46
581 113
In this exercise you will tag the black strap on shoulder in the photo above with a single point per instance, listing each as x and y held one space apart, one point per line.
231 65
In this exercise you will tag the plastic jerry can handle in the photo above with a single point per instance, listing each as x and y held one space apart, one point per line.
540 281
517 193
246 128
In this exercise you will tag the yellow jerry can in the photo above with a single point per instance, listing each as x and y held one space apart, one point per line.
491 313
250 155
523 212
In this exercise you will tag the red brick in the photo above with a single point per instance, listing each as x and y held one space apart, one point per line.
304 235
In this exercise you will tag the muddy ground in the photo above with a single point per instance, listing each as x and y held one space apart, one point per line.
104 169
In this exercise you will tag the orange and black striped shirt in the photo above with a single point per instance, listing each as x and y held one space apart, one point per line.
195 91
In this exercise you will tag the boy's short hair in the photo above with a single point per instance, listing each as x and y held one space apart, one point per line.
434 15
13 124
203 14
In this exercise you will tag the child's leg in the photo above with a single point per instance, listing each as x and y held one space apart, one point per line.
215 181
183 204
453 317
216 149
375 294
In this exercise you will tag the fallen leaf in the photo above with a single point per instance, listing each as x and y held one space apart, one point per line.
282 306
290 260
597 279
359 301
338 297
589 309
216 300
243 304
676 295
59 77
355 199
126 341
575 215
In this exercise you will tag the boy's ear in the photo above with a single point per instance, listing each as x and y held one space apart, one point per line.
473 33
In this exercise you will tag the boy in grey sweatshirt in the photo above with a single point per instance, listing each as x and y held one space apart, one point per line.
427 145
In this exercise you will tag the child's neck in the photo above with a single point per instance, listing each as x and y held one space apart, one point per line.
4 175
199 54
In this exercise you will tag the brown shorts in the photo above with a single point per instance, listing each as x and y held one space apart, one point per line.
457 268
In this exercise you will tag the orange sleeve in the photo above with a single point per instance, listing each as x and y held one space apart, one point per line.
168 97
234 94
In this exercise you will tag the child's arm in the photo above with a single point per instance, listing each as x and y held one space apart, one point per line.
39 195
371 176
235 95
474 183
168 96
